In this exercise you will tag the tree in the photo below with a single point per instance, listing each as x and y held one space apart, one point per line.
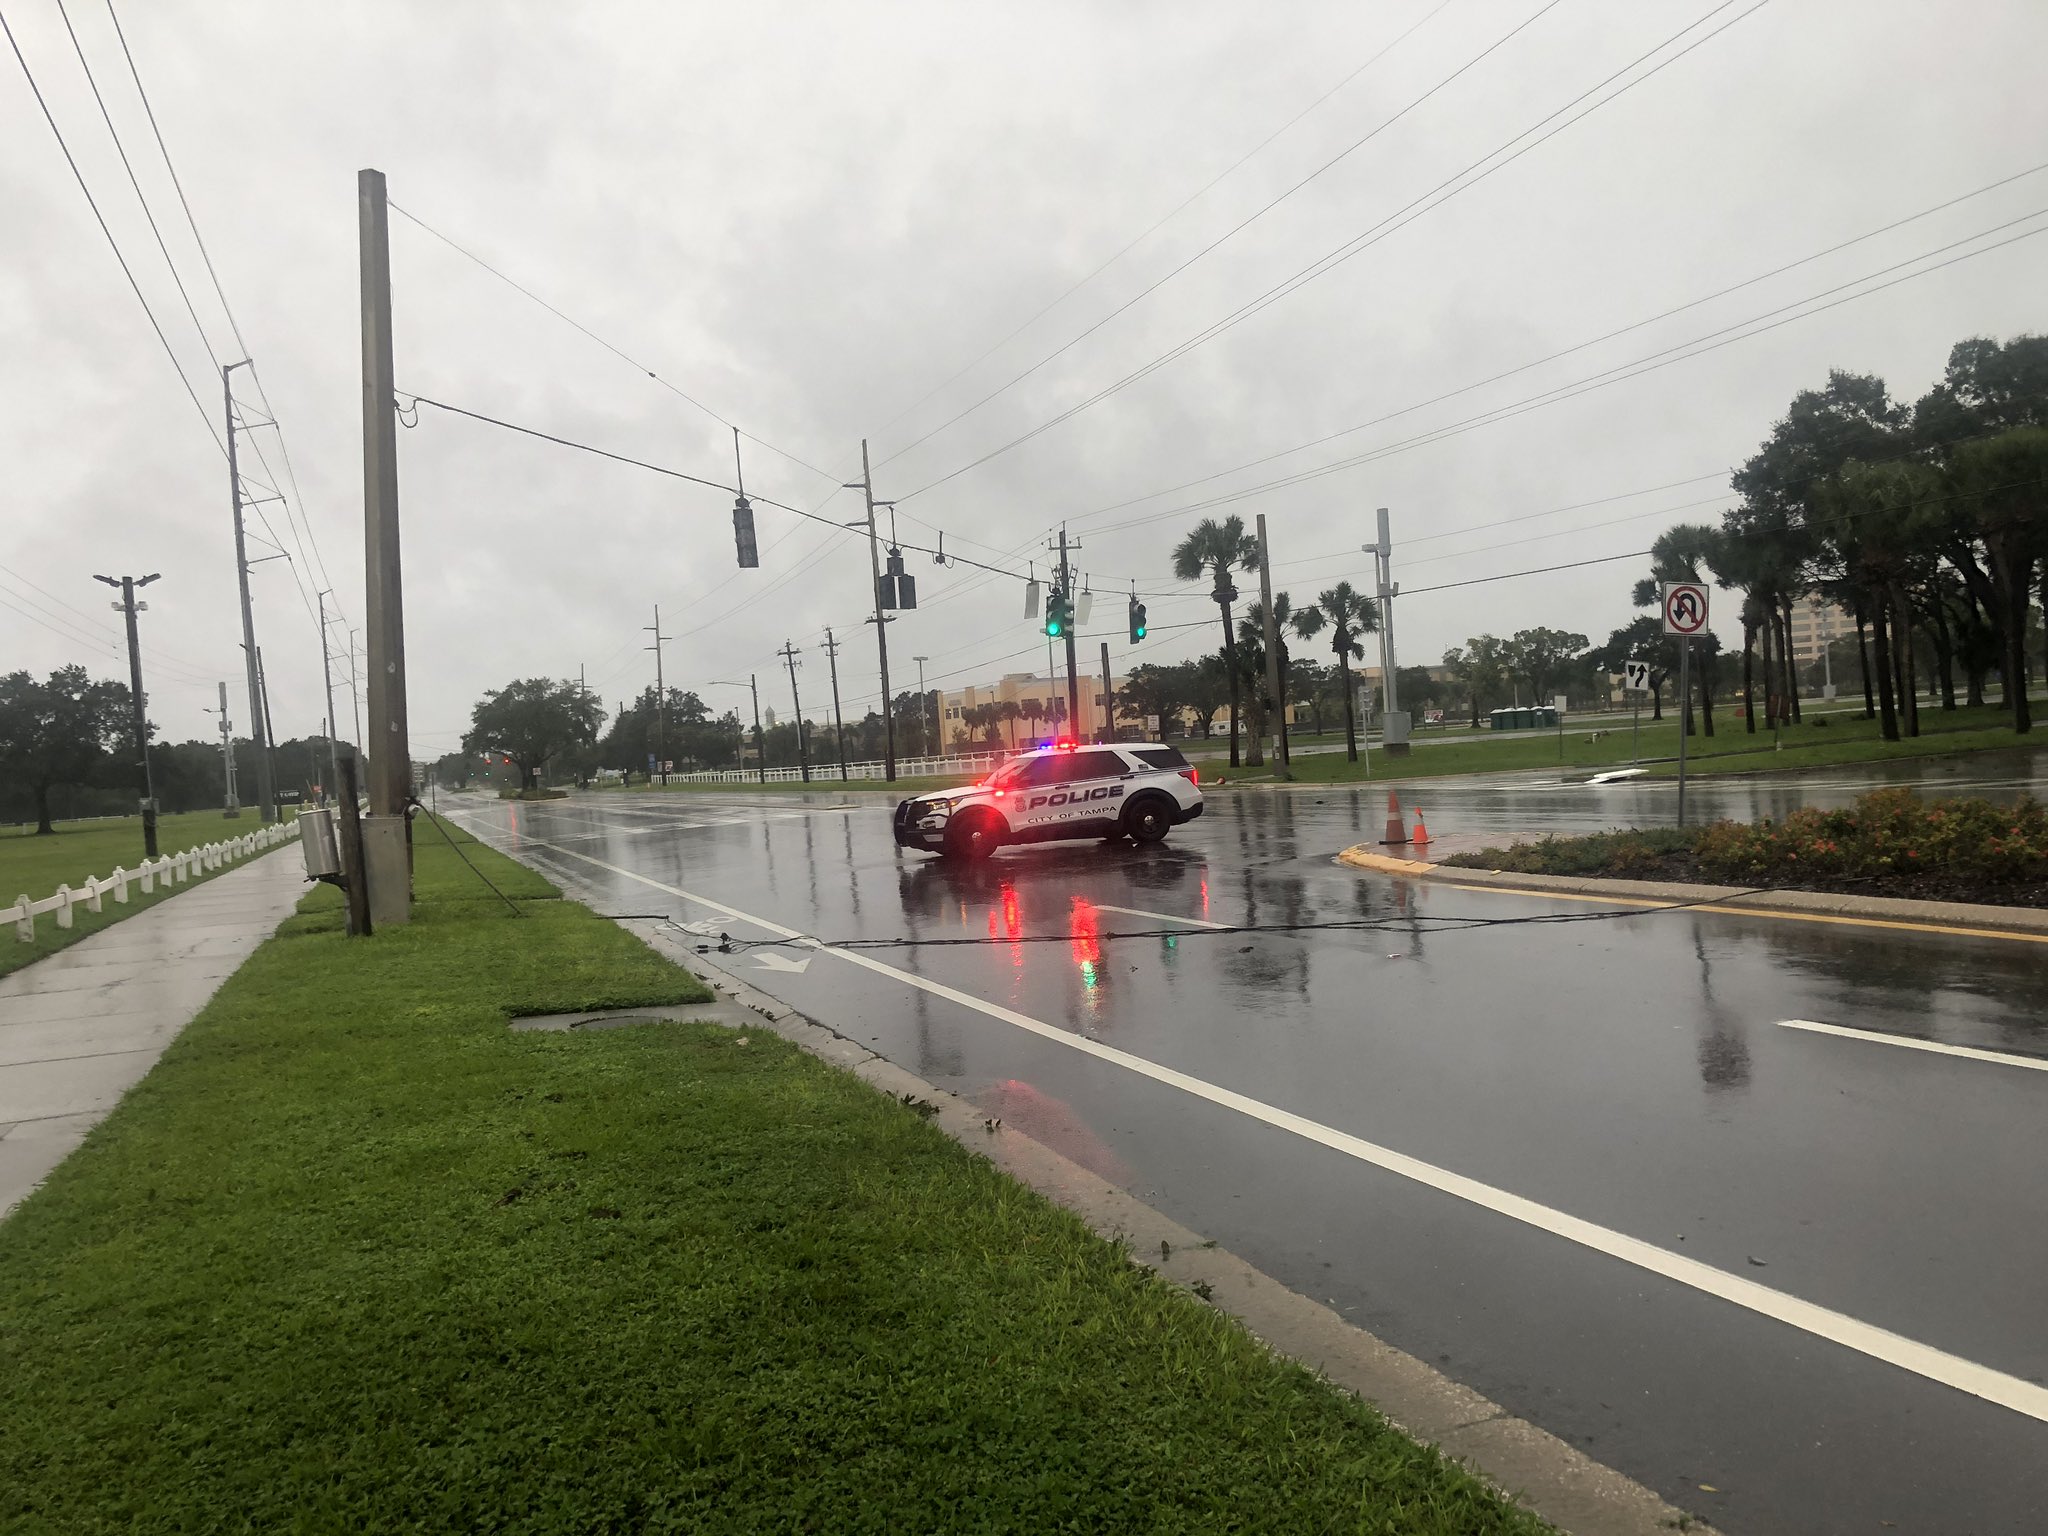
1680 553
1251 666
1034 711
58 732
530 720
1155 690
1311 686
1543 656
1642 640
1010 714
1347 614
1217 549
1208 690
1481 665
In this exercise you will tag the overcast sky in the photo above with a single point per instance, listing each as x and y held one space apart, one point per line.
811 218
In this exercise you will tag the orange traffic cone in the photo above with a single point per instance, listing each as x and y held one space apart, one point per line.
1397 830
1421 838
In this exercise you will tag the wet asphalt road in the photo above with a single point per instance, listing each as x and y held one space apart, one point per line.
1580 1166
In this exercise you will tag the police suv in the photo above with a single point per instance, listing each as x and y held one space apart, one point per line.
1137 790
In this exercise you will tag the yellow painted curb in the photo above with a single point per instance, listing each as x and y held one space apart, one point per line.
1363 857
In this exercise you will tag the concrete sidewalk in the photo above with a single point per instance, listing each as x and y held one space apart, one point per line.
80 1028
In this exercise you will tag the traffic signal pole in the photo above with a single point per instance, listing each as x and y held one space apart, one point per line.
1067 587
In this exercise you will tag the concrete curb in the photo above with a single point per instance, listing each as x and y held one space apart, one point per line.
1542 1472
1964 918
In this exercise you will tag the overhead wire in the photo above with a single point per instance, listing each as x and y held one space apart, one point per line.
113 244
1164 219
1234 230
1407 214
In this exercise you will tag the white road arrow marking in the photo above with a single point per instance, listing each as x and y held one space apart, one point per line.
704 927
769 960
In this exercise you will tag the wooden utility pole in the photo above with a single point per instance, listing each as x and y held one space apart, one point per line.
137 707
838 721
1067 587
789 653
1108 698
387 862
660 696
866 487
266 790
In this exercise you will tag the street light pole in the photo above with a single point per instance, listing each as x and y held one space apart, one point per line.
138 711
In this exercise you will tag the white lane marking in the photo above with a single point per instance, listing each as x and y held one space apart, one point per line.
1164 917
1896 1349
1877 1037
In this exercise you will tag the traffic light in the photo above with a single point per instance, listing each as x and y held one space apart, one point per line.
743 534
1059 613
1137 621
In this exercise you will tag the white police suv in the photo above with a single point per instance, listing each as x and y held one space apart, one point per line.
1138 790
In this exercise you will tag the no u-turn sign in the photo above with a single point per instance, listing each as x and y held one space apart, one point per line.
1685 607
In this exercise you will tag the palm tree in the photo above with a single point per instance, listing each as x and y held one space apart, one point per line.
1216 549
1034 711
1010 714
1677 554
1347 614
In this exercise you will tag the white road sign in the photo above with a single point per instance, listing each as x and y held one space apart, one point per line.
1635 676
1685 607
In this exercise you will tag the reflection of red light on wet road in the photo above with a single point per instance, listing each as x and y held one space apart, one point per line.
1013 915
1205 895
1086 929
1054 1122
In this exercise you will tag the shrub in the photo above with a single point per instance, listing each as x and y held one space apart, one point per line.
1887 832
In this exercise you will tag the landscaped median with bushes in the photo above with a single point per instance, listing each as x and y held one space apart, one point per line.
1889 843
357 1255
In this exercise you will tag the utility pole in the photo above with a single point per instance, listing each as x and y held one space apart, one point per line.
269 758
387 849
838 723
866 487
660 695
227 755
789 653
138 709
1394 719
1108 698
1276 698
327 681
266 791
760 741
1066 586
355 699
926 714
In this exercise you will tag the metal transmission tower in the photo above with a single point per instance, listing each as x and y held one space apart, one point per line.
660 695
266 789
838 721
789 653
138 709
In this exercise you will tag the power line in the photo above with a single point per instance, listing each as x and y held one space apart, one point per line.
297 501
1581 346
1235 229
1450 187
608 346
1159 223
1684 351
112 243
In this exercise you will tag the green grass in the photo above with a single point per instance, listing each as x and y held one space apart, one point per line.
35 866
1846 738
355 1256
821 779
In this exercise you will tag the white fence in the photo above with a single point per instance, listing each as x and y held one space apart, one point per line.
828 772
171 868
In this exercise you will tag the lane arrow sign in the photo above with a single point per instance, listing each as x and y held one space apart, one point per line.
769 960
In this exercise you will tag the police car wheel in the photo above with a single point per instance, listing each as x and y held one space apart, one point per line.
1148 820
976 837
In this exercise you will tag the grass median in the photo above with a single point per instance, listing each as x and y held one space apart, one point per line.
358 1256
1587 748
33 865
